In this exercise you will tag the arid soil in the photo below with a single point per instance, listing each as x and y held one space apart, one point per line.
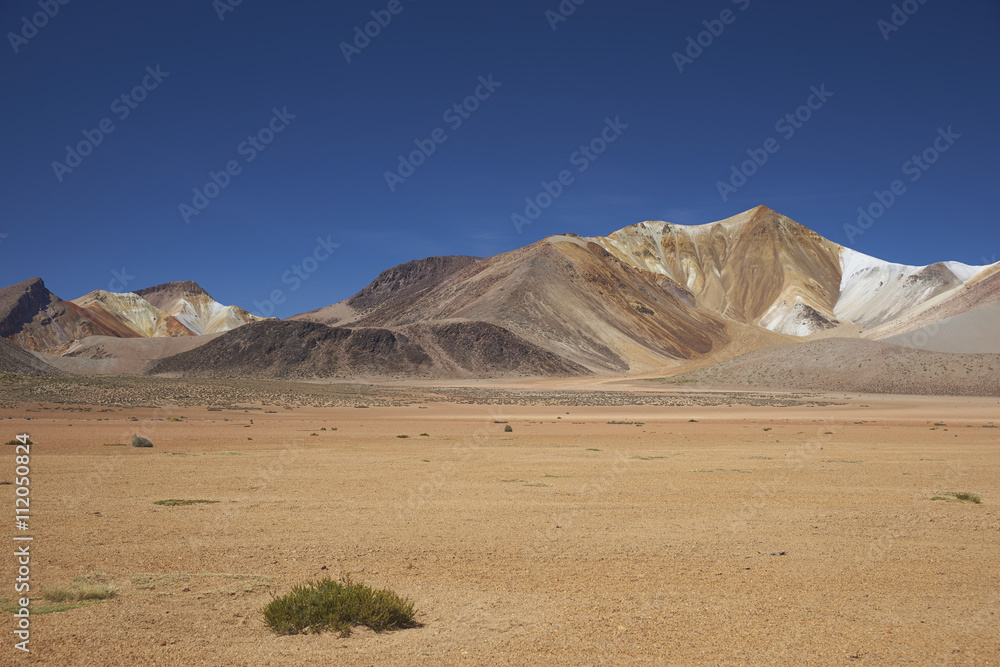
861 366
721 528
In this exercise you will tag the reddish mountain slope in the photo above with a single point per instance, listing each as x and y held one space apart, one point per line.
36 319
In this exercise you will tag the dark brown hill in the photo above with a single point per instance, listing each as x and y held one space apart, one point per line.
402 284
162 296
15 360
408 280
273 349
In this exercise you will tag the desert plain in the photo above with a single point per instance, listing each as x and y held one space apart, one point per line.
615 523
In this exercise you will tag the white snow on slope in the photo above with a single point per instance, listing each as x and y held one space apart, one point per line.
794 319
873 292
206 315
963 271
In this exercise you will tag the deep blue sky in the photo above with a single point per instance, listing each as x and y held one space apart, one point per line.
323 175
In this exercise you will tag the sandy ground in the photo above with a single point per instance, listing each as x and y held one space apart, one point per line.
569 541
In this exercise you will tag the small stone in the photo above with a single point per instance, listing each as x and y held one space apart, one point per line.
139 441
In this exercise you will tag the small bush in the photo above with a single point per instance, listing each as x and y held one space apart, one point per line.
337 605
174 501
961 496
78 594
508 429
402 436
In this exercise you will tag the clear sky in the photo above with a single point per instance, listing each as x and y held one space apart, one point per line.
265 89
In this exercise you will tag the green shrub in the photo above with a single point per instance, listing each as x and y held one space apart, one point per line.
337 605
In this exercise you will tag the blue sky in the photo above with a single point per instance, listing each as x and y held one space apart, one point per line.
272 82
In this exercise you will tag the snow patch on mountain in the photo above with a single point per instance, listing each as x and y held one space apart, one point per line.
795 319
873 292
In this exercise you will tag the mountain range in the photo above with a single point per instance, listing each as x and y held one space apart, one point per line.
36 319
651 298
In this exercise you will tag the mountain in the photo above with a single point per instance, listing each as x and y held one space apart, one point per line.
967 320
134 312
400 283
764 269
656 295
34 318
651 298
570 298
195 308
758 268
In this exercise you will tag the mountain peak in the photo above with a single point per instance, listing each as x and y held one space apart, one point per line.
32 285
174 289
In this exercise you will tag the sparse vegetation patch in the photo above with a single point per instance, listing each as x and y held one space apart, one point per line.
959 496
174 501
79 593
337 605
